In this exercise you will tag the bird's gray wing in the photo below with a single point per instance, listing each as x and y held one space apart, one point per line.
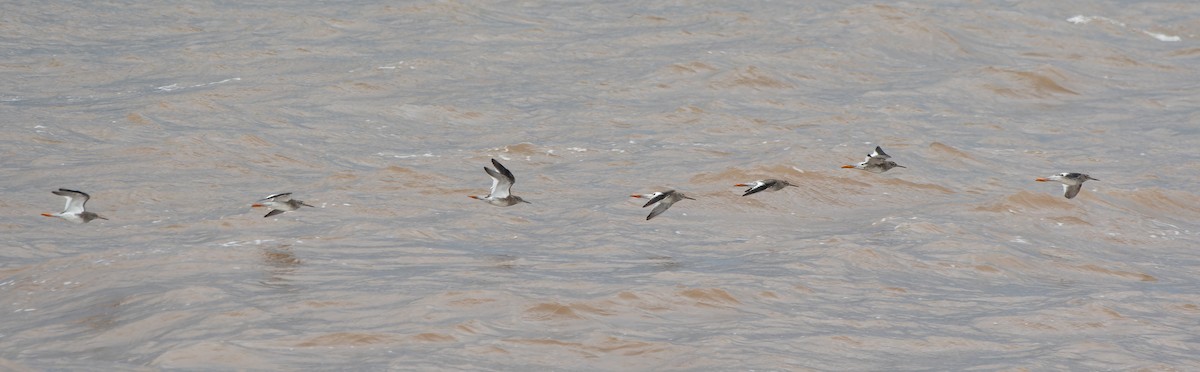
1071 190
879 153
658 210
507 174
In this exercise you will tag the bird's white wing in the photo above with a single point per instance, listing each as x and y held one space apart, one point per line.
758 186
75 200
280 197
655 197
508 178
500 184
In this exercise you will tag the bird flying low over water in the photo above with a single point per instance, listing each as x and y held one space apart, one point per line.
764 185
664 199
1072 182
73 211
502 182
876 162
280 203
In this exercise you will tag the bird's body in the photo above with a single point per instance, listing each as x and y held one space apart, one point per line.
502 182
1072 182
876 162
664 199
74 210
280 203
764 185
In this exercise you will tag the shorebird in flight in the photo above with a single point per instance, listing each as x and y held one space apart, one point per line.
1072 182
502 182
876 162
664 199
764 185
73 211
279 203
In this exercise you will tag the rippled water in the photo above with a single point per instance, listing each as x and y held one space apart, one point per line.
175 117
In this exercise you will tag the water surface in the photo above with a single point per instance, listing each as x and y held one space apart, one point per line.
176 117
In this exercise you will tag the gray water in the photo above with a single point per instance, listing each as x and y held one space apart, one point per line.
176 117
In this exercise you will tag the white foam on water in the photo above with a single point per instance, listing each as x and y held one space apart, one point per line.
1082 19
176 86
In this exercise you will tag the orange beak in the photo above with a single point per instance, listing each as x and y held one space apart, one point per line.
472 196
47 215
741 185
848 166
636 196
256 205
1041 180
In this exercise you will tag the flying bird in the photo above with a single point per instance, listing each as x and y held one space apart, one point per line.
1072 182
764 185
73 211
664 199
876 162
280 203
502 182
